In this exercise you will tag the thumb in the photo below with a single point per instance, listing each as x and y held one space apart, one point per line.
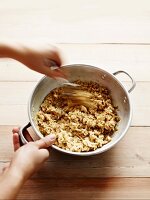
46 141
53 73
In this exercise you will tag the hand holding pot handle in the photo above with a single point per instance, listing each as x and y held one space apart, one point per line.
22 133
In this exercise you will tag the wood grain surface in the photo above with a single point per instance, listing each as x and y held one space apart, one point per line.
113 35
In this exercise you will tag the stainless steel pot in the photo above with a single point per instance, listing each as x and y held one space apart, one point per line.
82 72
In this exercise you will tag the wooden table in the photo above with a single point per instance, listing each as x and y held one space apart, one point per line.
113 35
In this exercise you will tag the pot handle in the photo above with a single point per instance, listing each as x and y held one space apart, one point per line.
132 80
22 130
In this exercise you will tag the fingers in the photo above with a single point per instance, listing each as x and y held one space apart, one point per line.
16 142
44 153
55 56
15 130
52 73
46 141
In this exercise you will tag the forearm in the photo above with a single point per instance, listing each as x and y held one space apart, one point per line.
10 50
10 185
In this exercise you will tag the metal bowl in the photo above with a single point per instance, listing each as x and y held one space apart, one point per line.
82 72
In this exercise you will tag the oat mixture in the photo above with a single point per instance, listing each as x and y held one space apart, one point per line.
78 127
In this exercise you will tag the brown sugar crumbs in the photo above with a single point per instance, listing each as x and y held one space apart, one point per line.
79 128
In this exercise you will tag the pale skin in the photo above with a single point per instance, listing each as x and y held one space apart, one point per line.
37 57
30 157
25 162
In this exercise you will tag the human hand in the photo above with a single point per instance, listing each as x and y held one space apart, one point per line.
27 160
41 58
30 157
36 56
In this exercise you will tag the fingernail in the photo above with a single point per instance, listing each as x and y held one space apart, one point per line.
52 137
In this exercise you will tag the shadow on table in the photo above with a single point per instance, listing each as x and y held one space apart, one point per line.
66 166
65 177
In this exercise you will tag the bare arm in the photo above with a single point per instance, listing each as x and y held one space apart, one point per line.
10 183
9 50
26 161
36 57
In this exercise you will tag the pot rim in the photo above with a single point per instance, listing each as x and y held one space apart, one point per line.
99 150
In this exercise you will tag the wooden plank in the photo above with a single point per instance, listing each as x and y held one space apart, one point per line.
87 189
13 114
132 58
96 21
15 71
15 93
126 25
14 98
101 6
129 158
103 29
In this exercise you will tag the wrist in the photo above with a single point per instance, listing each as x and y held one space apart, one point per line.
11 183
15 177
11 50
